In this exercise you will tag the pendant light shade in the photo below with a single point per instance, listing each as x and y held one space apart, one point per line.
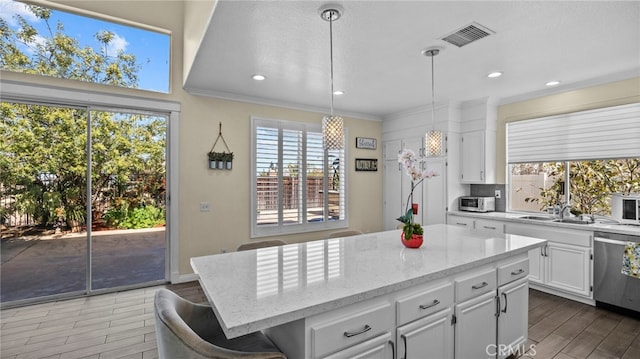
332 126
434 145
333 132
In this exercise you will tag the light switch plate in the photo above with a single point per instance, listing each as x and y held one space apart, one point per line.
204 206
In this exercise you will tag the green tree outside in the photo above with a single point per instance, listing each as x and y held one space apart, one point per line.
591 183
43 151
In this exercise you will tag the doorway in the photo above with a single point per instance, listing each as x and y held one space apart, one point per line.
64 235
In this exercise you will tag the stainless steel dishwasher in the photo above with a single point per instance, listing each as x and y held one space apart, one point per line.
610 286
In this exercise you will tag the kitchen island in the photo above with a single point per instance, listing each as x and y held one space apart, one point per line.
367 296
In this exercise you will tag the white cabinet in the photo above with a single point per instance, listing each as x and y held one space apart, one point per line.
477 157
432 334
513 317
536 265
380 347
475 312
392 177
567 268
460 221
489 226
475 326
564 263
456 316
346 331
490 322
513 307
430 195
424 322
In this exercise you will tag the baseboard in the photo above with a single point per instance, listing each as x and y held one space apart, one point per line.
184 278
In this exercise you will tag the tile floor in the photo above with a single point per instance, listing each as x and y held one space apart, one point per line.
120 325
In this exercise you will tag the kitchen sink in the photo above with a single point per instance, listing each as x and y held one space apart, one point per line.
537 218
572 221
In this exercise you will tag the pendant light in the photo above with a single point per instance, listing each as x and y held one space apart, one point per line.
332 126
434 140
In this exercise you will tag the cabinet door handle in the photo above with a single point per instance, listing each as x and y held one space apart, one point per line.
404 340
478 286
506 302
498 306
546 251
427 306
481 175
489 227
353 334
461 224
542 251
393 349
519 271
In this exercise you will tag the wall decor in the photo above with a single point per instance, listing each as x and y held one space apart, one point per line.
366 164
366 143
220 160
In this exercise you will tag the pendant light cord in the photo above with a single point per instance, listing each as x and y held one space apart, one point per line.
433 102
331 14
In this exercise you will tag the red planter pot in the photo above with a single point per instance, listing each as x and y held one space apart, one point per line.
414 242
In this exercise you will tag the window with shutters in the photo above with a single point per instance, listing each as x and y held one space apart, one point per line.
297 186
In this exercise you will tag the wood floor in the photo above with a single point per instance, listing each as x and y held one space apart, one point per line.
120 325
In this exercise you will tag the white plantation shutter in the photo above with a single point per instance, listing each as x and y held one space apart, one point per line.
266 163
605 133
291 178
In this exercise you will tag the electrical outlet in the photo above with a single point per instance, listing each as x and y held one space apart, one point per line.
498 194
204 206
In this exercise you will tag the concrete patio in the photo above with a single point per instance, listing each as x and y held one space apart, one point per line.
36 266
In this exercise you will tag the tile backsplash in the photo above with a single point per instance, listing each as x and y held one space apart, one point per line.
489 190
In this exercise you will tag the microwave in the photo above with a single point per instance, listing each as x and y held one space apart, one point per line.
477 204
626 207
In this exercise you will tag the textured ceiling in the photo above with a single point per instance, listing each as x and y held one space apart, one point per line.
378 44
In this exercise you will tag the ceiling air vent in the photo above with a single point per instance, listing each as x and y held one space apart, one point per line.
467 34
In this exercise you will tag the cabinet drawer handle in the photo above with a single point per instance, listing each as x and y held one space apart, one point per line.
489 227
364 330
519 271
427 306
461 224
478 286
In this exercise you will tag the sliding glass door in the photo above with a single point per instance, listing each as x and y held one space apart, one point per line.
128 191
62 234
42 200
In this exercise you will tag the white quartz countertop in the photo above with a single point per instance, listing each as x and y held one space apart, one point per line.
257 289
600 226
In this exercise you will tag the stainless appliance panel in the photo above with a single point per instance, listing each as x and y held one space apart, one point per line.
610 286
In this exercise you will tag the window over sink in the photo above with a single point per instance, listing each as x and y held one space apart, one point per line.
535 186
583 156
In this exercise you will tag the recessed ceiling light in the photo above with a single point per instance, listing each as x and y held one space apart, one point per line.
495 74
338 92
258 77
553 83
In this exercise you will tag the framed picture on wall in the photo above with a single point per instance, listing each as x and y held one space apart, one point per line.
366 164
366 143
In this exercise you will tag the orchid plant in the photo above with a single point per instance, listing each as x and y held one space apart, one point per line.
412 167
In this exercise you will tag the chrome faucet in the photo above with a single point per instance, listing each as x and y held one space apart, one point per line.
561 208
